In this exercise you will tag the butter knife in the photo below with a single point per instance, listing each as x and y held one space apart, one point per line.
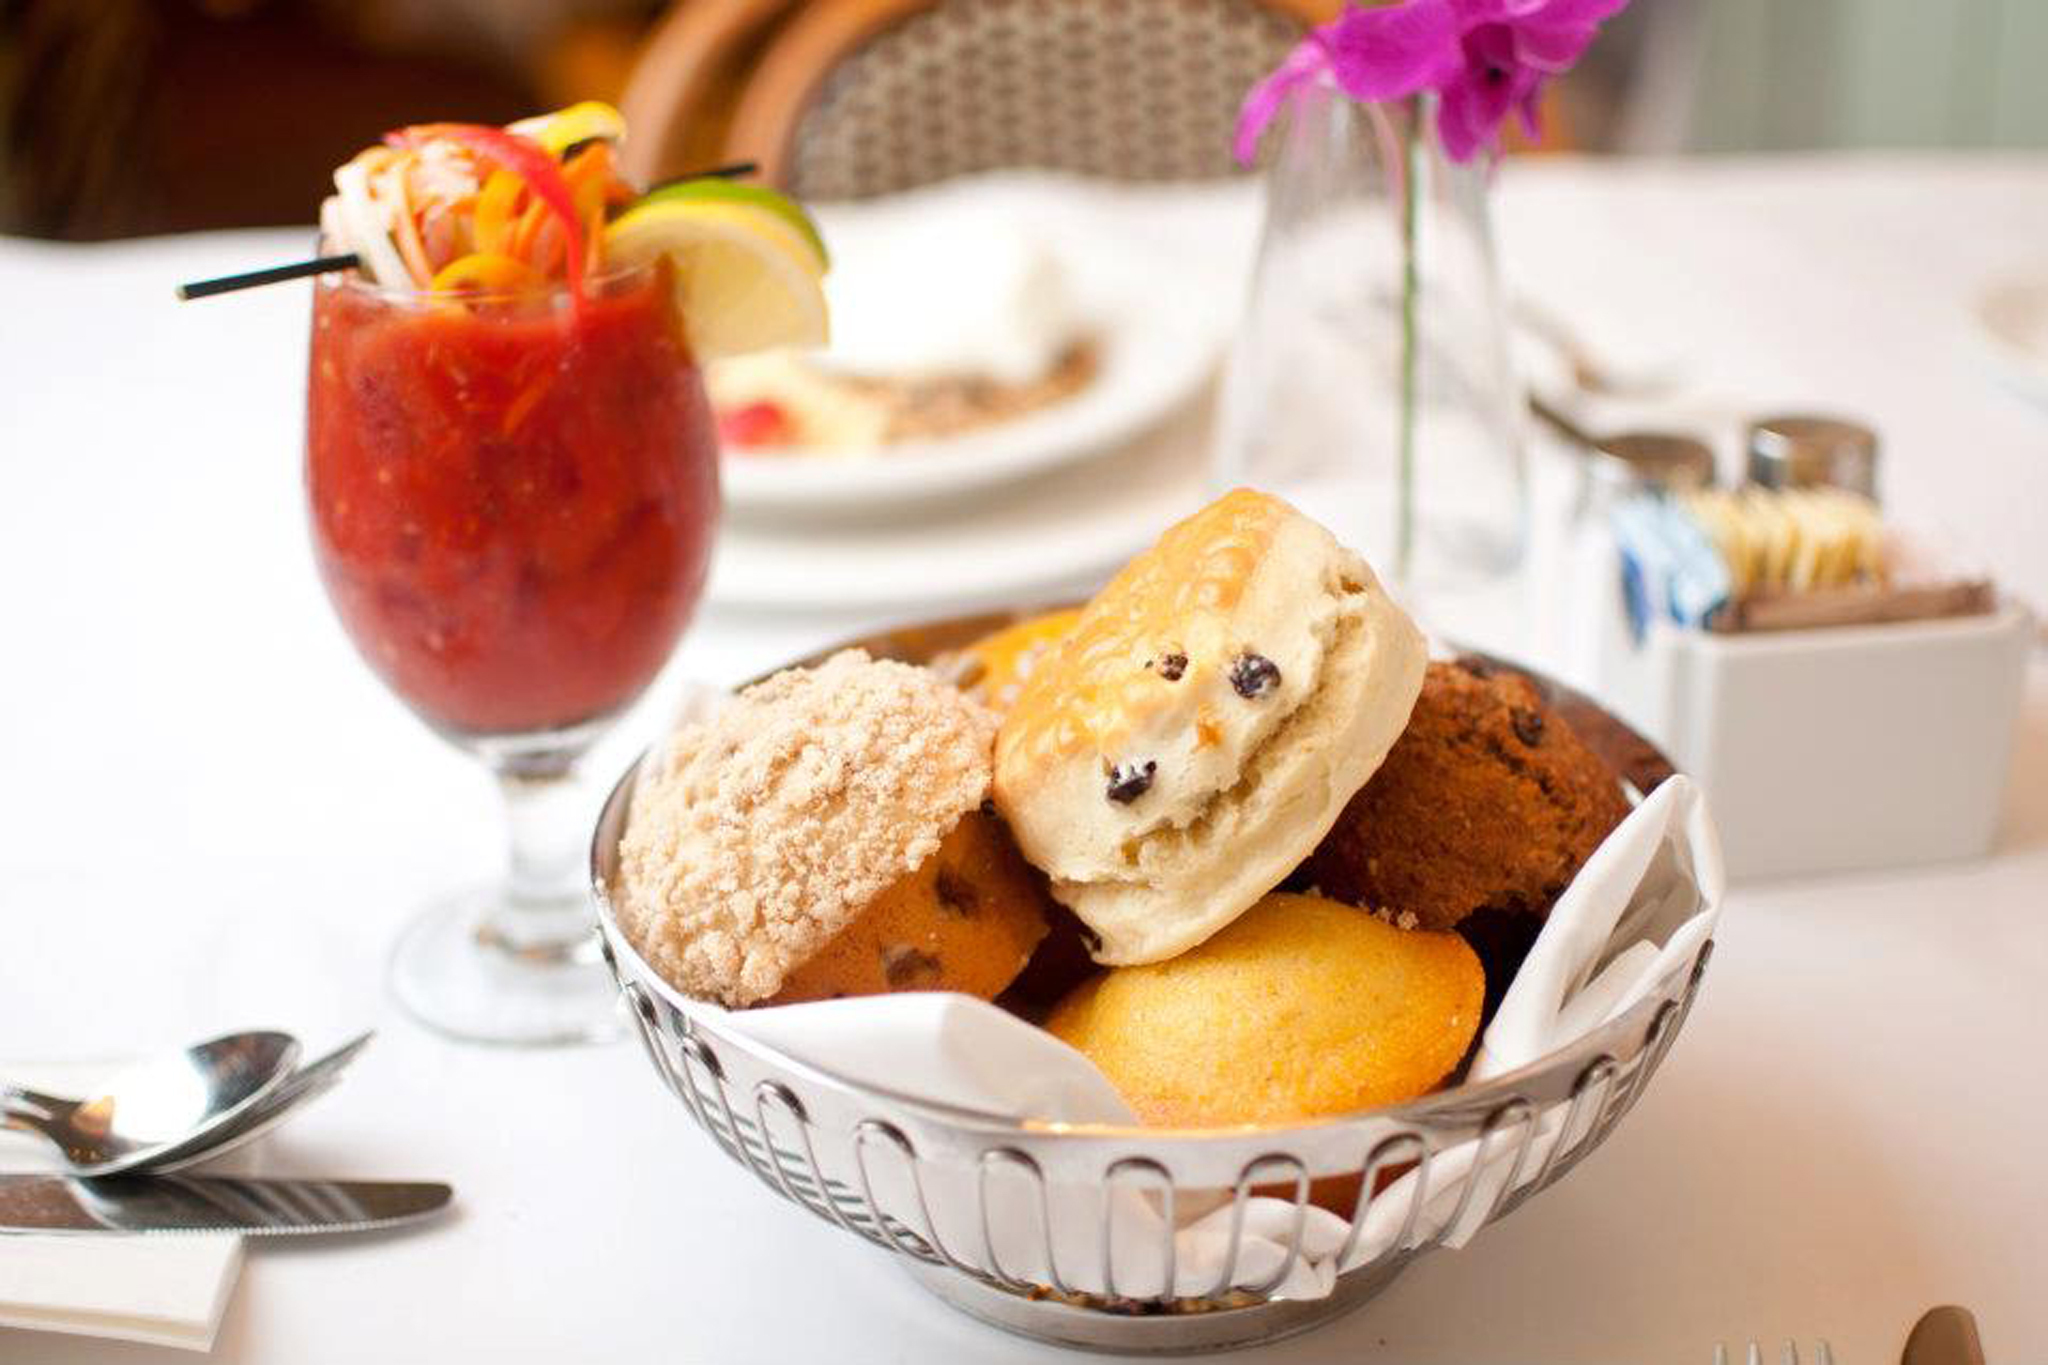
1944 1336
178 1203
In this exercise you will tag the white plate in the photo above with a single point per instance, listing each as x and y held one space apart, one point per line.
1161 332
2012 327
1060 533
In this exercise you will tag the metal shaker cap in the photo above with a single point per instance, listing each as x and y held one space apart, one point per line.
1662 459
1798 452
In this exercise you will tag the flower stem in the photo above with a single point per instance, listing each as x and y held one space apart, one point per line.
1411 289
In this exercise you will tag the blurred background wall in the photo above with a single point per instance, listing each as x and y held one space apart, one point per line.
1772 75
126 117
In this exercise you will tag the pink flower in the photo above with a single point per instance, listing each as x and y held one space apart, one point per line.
1308 63
1484 59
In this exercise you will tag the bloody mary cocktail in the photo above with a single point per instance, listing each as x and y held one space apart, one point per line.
512 499
512 476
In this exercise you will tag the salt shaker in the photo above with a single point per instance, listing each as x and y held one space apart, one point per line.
1801 451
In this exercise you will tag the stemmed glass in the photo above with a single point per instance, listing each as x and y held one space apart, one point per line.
513 499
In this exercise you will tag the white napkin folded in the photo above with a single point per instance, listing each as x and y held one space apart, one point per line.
1637 912
161 1289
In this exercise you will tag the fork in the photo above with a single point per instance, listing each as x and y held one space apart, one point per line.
1822 1354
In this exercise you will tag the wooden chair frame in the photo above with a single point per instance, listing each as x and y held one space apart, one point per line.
677 75
819 37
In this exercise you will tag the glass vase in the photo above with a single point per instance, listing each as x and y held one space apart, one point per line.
1371 383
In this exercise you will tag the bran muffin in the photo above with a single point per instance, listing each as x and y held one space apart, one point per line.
1488 800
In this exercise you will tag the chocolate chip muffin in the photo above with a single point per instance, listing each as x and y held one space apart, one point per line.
1487 801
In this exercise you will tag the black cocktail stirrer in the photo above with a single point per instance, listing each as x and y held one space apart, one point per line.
320 265
228 284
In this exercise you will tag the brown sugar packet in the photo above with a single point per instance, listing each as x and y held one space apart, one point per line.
1855 605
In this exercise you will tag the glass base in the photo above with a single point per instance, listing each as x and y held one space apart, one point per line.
478 971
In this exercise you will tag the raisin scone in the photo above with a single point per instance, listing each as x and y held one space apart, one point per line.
1195 736
824 835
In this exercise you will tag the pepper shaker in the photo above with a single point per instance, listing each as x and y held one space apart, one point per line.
1800 451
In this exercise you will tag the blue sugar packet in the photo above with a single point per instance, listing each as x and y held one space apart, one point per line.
1669 565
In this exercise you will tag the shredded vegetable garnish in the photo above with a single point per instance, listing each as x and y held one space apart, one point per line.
457 207
526 159
471 214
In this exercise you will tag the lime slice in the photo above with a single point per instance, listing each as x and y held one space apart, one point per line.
567 127
745 279
733 192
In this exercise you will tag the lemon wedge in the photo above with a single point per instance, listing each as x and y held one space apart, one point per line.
745 279
566 127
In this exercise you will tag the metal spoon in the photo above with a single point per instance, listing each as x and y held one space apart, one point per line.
153 1107
309 1082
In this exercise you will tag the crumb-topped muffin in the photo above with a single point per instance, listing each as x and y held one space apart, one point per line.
1205 722
1488 800
824 835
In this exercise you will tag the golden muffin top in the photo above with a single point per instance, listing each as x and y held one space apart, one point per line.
1301 1008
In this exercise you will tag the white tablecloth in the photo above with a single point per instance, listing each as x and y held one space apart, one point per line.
211 816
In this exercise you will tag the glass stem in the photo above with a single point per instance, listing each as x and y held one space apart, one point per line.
544 909
1411 289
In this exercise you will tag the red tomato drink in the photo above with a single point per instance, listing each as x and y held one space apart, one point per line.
512 502
512 474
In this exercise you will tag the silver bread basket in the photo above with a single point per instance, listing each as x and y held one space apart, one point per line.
919 1179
